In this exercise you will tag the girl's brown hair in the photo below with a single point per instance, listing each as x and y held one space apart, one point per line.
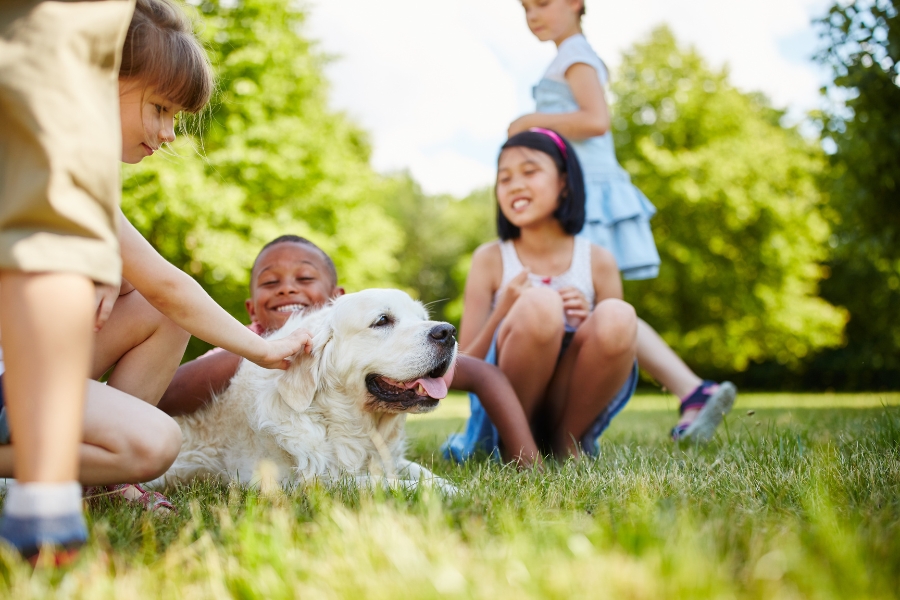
162 51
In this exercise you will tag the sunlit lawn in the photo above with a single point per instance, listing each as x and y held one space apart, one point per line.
799 499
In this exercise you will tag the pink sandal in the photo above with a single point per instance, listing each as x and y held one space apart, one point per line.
132 492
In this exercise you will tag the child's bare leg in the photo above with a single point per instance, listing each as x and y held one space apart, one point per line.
594 368
125 439
144 345
47 321
528 344
660 361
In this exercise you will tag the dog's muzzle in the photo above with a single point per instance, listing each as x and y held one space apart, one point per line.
421 393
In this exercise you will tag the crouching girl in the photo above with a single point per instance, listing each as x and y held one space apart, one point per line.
546 306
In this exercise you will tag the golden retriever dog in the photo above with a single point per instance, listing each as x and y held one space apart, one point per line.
337 412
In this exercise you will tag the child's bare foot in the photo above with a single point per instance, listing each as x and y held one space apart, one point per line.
703 409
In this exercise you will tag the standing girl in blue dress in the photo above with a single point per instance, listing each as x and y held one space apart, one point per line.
570 99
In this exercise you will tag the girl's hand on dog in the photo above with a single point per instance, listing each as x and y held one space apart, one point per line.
575 305
280 352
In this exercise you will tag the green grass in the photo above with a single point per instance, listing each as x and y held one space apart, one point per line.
799 499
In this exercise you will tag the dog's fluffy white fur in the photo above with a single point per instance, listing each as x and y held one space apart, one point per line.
334 413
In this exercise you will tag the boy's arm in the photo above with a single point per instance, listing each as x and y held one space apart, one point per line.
175 294
501 404
590 120
196 381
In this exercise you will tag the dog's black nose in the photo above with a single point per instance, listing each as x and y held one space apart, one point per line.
443 332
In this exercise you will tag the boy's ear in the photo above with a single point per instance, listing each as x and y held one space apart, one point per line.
248 304
337 292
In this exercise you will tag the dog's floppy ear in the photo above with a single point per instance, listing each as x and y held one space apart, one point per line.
300 382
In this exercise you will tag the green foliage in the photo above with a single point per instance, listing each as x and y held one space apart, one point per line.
271 159
791 502
863 50
740 227
441 232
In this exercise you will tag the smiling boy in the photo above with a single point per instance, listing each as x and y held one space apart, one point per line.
290 274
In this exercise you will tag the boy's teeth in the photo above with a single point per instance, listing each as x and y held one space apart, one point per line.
290 308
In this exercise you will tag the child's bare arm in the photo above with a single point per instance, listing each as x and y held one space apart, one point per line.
605 273
479 320
173 293
196 381
590 120
502 406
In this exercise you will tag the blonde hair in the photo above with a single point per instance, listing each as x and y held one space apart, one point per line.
162 51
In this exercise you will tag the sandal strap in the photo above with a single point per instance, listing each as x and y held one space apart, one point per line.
153 500
150 500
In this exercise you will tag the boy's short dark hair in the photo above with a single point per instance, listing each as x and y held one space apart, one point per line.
296 239
570 212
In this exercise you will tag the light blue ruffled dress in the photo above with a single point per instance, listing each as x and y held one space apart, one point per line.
617 213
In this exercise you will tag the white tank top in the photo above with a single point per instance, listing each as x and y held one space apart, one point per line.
578 275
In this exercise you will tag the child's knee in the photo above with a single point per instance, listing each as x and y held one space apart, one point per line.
614 325
538 312
177 337
154 454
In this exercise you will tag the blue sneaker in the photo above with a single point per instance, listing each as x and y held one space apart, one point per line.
63 536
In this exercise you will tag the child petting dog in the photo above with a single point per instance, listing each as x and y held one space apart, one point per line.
60 427
291 274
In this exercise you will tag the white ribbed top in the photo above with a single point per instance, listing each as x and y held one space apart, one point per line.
578 274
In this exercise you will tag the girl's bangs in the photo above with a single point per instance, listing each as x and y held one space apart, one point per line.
182 75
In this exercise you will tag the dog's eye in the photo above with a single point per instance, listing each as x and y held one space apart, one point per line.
382 321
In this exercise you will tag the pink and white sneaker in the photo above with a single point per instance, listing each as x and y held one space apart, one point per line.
714 401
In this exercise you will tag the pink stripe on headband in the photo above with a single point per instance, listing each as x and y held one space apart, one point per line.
555 137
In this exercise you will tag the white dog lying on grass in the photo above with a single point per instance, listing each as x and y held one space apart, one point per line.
336 413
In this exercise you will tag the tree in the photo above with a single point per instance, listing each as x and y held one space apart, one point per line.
740 227
441 232
862 47
267 158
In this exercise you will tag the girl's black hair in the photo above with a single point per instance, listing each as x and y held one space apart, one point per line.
570 212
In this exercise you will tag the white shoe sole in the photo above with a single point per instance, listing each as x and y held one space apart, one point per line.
719 404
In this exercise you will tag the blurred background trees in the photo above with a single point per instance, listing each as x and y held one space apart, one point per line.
862 127
740 228
754 218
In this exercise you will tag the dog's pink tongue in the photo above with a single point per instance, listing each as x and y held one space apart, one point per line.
437 387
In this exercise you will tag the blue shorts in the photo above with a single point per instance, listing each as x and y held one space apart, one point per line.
481 435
